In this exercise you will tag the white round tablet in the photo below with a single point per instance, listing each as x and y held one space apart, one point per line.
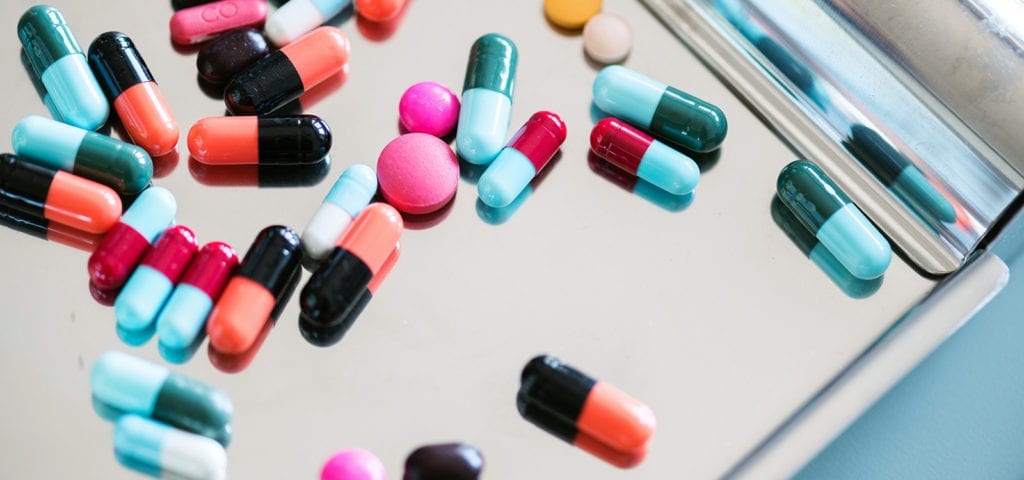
607 38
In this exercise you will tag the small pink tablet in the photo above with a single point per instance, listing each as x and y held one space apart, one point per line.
353 464
418 173
202 22
429 107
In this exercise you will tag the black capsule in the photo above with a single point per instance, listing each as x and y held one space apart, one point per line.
449 461
230 53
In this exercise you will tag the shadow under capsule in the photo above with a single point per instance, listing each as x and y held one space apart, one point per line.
262 176
381 31
180 356
499 215
311 98
44 229
635 185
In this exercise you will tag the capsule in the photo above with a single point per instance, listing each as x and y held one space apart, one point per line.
58 61
379 10
122 166
230 53
237 362
303 139
350 194
285 74
353 464
57 196
641 155
527 153
840 226
671 115
325 336
184 316
251 294
360 253
448 461
155 449
486 99
42 228
134 385
121 249
151 283
296 18
200 23
592 415
136 98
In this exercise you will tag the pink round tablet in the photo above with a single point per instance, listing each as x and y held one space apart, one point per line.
353 464
429 107
417 173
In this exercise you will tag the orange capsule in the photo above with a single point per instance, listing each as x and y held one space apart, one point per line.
379 10
248 140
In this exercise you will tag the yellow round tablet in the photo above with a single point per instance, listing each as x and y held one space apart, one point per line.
571 14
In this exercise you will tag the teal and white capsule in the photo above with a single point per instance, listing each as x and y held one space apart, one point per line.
161 451
58 61
149 287
841 227
486 99
122 166
350 194
132 385
669 114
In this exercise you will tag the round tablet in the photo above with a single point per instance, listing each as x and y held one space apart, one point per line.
607 38
571 14
429 107
417 173
353 464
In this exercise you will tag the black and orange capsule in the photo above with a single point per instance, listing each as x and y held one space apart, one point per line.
594 416
57 196
302 139
128 84
47 230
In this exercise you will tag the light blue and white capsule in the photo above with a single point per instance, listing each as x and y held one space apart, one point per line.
160 451
298 17
486 99
350 194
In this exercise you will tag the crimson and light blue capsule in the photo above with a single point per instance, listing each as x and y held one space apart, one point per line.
52 50
124 245
527 153
160 451
183 318
349 195
841 227
139 303
636 152
486 98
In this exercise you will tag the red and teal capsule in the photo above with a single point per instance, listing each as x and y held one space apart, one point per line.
184 316
840 226
671 115
121 249
122 166
640 154
146 291
57 196
136 98
527 153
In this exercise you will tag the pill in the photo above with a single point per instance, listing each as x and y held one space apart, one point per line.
418 173
248 140
899 174
359 254
184 315
151 283
429 107
841 227
58 61
237 362
607 38
353 464
252 293
379 10
349 195
571 14
486 98
669 114
327 335
285 74
57 195
134 385
124 245
592 415
641 188
122 166
639 154
42 228
158 450
263 176
448 461
223 57
202 22
527 153
297 17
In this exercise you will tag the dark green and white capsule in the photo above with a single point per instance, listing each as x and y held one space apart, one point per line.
837 223
122 166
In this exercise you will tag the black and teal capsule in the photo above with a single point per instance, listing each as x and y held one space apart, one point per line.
669 114
841 227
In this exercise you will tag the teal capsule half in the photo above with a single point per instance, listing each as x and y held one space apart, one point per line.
486 99
841 227
58 61
126 168
669 114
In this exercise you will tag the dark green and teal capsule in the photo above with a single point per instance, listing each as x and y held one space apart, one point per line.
841 227
122 166
486 99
